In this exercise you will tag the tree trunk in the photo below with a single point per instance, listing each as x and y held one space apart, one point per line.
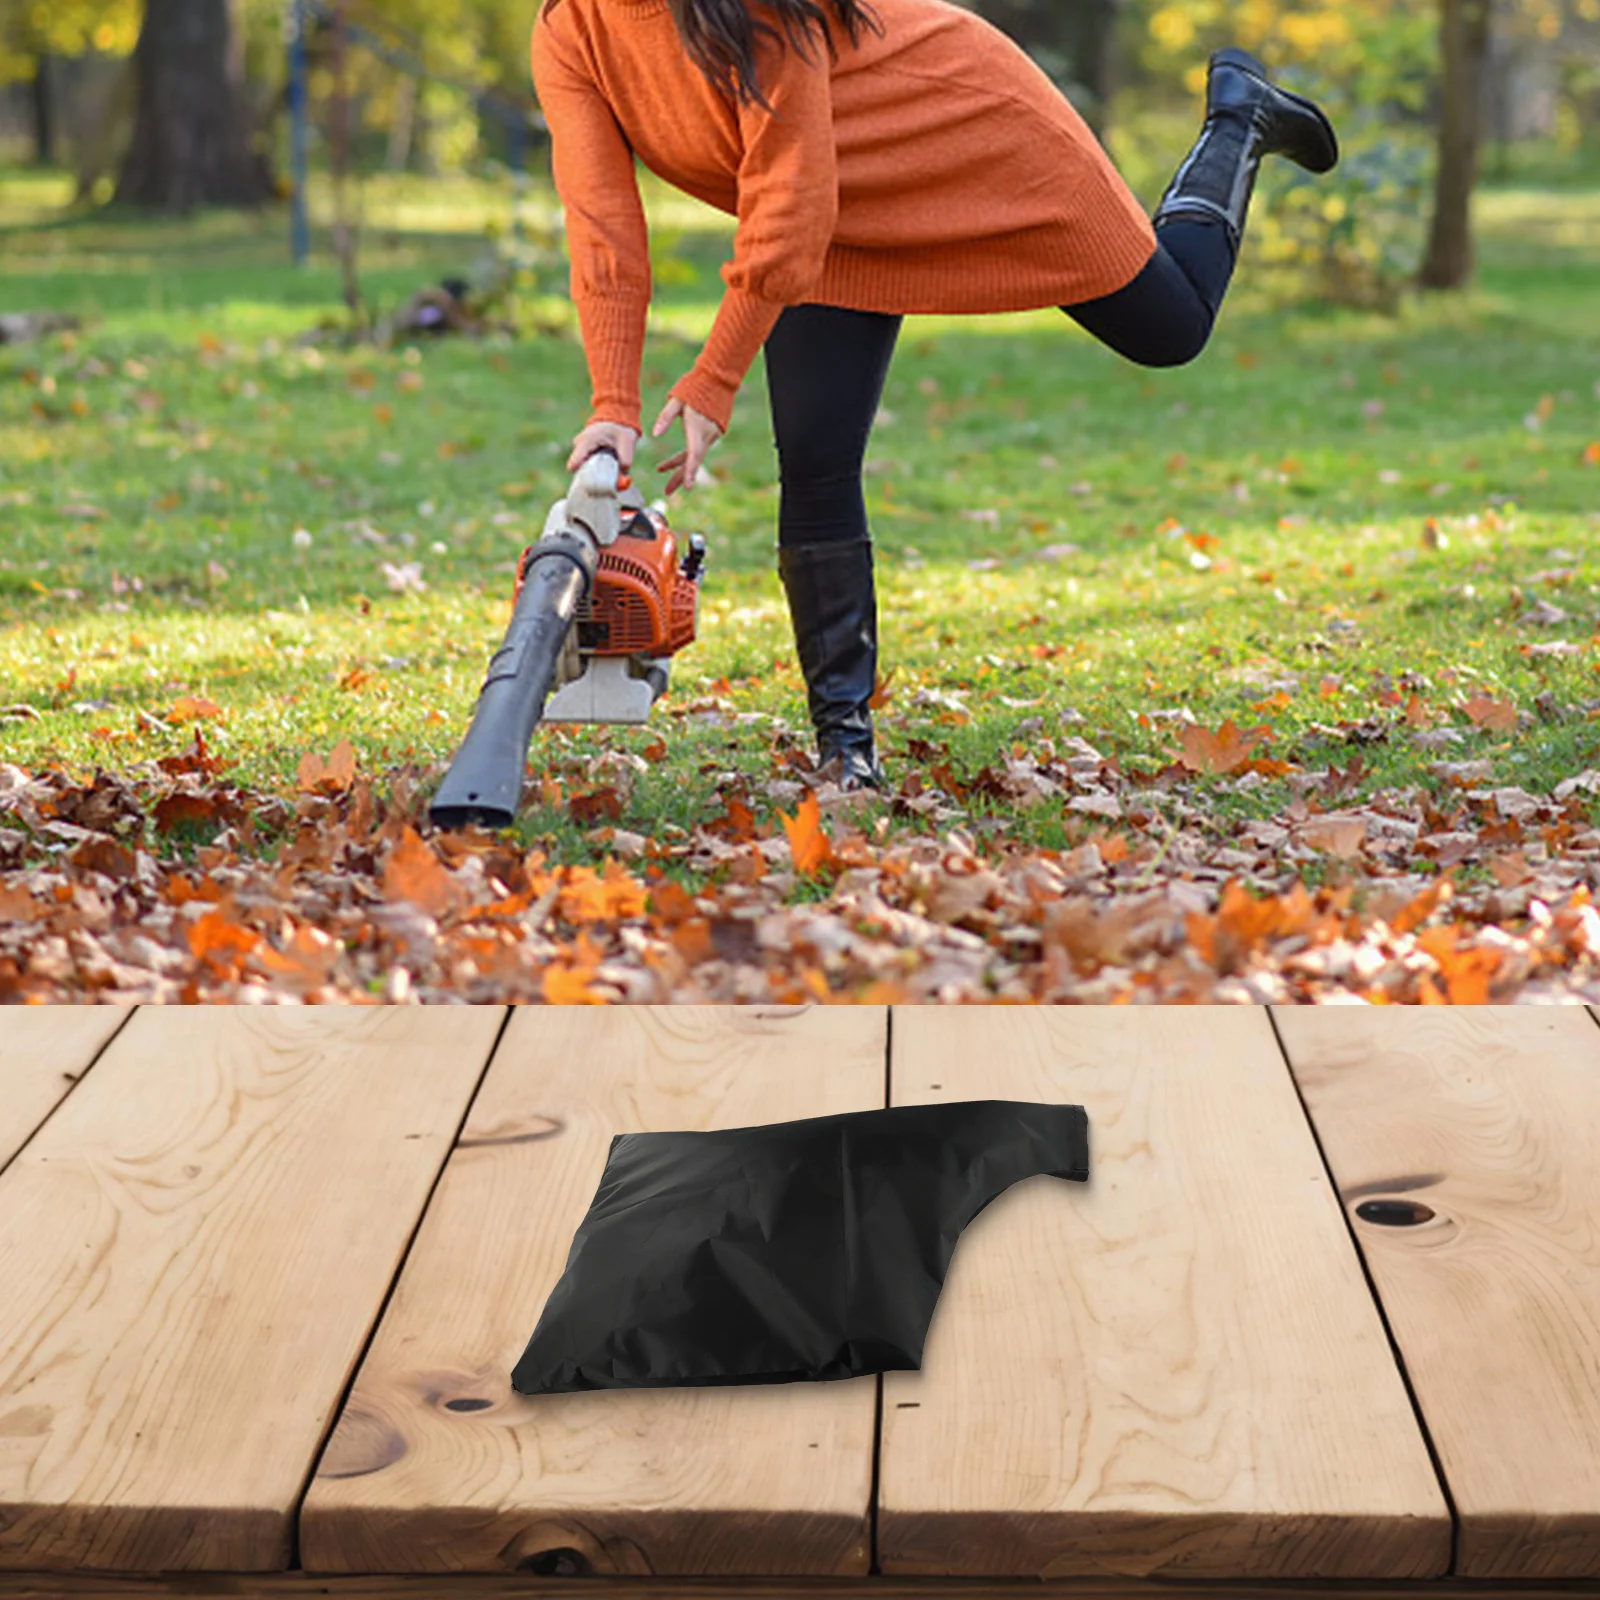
191 138
1464 46
405 117
44 112
1090 31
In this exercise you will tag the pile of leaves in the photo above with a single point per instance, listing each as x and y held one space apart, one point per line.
798 891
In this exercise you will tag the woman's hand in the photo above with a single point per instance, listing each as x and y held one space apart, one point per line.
601 436
700 433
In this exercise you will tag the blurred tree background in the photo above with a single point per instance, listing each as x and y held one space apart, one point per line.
1426 93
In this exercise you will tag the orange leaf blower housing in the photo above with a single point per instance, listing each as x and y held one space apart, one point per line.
643 602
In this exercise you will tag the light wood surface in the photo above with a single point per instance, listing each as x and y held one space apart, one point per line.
1176 1369
1490 1120
773 1479
193 1250
44 1050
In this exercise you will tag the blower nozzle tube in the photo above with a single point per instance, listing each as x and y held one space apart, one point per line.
484 783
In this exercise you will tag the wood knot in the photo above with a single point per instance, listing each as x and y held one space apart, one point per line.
1395 1213
564 1562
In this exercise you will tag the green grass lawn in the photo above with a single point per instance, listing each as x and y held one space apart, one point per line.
1338 525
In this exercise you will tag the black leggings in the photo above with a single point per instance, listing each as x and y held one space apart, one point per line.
826 369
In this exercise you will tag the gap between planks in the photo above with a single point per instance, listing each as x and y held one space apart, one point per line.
1377 1299
394 1282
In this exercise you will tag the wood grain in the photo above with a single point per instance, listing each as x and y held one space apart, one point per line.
744 1480
194 1249
44 1050
1490 1121
1175 1370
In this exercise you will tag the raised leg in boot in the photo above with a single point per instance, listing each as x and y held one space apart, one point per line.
1165 316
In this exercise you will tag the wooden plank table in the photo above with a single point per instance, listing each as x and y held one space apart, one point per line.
263 1276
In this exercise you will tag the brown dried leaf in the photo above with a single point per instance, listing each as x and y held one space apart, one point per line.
1496 716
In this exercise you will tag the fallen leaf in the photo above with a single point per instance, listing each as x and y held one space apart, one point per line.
605 896
1463 773
808 844
1423 906
415 874
174 810
564 985
1224 751
599 805
1510 869
1496 716
1336 835
1466 973
195 708
220 941
333 776
1541 614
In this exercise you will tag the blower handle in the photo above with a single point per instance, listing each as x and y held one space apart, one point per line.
624 477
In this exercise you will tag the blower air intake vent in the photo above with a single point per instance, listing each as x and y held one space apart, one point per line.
625 613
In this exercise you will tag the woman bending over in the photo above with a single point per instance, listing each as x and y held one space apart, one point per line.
882 159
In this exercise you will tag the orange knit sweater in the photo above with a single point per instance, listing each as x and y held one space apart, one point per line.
932 168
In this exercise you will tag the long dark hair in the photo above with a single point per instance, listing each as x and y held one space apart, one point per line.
721 35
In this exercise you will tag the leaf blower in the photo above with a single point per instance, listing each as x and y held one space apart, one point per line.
602 604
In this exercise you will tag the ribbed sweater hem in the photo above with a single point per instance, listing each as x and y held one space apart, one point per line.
742 324
991 280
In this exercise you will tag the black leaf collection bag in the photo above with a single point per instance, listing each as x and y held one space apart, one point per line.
783 1253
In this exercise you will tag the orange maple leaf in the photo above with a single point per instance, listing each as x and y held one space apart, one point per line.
1416 713
333 776
1466 973
590 896
570 986
413 872
808 844
1422 907
570 981
1226 750
195 708
1281 701
220 941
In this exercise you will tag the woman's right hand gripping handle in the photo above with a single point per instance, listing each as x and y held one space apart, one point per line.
604 436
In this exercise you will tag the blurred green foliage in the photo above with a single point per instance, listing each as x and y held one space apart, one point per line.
1353 237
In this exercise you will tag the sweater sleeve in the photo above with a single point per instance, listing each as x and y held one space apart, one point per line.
607 235
788 209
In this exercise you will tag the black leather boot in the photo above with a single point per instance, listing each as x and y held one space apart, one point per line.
1247 117
833 604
